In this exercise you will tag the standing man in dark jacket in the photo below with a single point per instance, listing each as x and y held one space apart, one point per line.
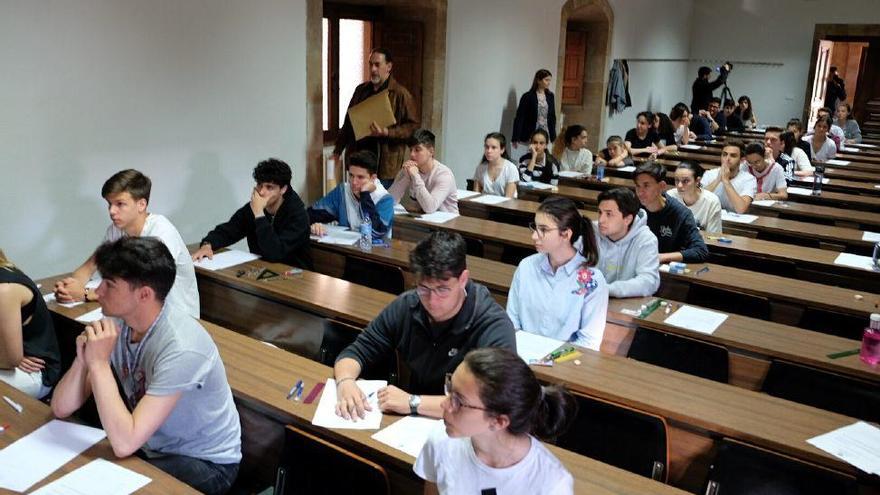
387 143
702 88
678 237
274 221
431 328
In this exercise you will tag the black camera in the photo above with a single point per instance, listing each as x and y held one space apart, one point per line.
726 67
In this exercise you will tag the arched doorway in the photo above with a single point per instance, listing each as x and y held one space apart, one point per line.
584 52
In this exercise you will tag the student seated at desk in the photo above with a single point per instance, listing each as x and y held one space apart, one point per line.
797 128
776 150
428 182
431 328
572 152
628 255
852 134
642 139
538 165
176 406
800 165
704 205
681 116
822 147
128 194
678 238
733 121
362 196
274 221
496 174
29 357
558 292
835 133
615 154
769 175
731 182
494 413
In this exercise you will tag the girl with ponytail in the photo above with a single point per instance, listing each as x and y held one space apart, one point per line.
494 412
558 292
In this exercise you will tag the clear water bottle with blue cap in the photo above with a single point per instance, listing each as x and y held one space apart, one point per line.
818 177
366 241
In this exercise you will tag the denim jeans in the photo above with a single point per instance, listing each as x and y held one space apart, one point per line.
205 476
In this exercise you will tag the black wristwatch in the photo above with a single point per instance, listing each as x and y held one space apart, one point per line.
414 401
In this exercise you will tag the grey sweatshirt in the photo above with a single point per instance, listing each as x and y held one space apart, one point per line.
630 265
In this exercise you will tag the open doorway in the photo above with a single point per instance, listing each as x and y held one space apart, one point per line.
854 49
584 50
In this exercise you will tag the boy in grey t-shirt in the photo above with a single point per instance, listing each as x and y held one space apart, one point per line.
177 405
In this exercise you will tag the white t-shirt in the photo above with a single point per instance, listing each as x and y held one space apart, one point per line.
185 291
801 161
509 173
707 210
770 181
453 465
576 160
744 184
827 151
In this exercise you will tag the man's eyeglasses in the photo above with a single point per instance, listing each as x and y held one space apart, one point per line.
454 399
442 292
541 229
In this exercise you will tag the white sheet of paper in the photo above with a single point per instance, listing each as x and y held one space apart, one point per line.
839 163
36 455
696 319
871 236
536 185
803 191
857 444
438 217
226 259
464 193
93 315
628 168
727 216
114 480
399 209
490 199
689 146
574 174
408 434
338 235
855 261
93 283
325 414
533 346
766 202
50 298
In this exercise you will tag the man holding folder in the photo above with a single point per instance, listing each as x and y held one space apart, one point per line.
387 141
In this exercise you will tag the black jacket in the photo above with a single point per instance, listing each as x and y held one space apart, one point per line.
702 92
676 230
403 326
283 238
527 117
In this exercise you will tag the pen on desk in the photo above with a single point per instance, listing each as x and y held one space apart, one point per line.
702 270
561 352
299 391
294 388
13 404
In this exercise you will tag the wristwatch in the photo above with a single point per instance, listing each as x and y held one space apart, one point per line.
414 401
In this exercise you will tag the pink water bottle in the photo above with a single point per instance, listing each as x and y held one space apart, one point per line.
871 341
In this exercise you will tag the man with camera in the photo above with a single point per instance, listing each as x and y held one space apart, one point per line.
702 88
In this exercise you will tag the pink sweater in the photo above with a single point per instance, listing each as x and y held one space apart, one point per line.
434 192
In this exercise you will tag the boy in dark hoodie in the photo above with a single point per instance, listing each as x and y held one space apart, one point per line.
678 237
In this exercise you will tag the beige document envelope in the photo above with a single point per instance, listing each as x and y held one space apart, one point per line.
376 108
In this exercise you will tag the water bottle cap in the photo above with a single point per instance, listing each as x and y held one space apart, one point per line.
875 317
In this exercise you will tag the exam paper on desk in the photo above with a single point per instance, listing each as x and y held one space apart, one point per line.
325 413
226 259
533 346
99 477
408 434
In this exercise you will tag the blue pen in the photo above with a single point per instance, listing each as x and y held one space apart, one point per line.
294 388
299 392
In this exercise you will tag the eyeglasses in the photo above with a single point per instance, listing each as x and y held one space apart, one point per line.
442 292
541 229
454 399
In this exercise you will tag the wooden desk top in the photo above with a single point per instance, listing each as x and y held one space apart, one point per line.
853 152
851 172
771 224
37 414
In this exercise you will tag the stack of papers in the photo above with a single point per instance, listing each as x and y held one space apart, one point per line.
871 236
464 193
839 163
857 444
571 173
36 455
533 346
803 191
765 202
114 480
727 216
399 209
696 319
226 259
536 185
490 199
408 434
438 217
336 234
325 414
855 261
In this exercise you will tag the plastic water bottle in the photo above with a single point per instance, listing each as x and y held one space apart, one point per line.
870 351
818 176
600 171
366 241
875 258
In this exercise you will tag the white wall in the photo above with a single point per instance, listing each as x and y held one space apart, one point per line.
494 48
777 31
192 93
